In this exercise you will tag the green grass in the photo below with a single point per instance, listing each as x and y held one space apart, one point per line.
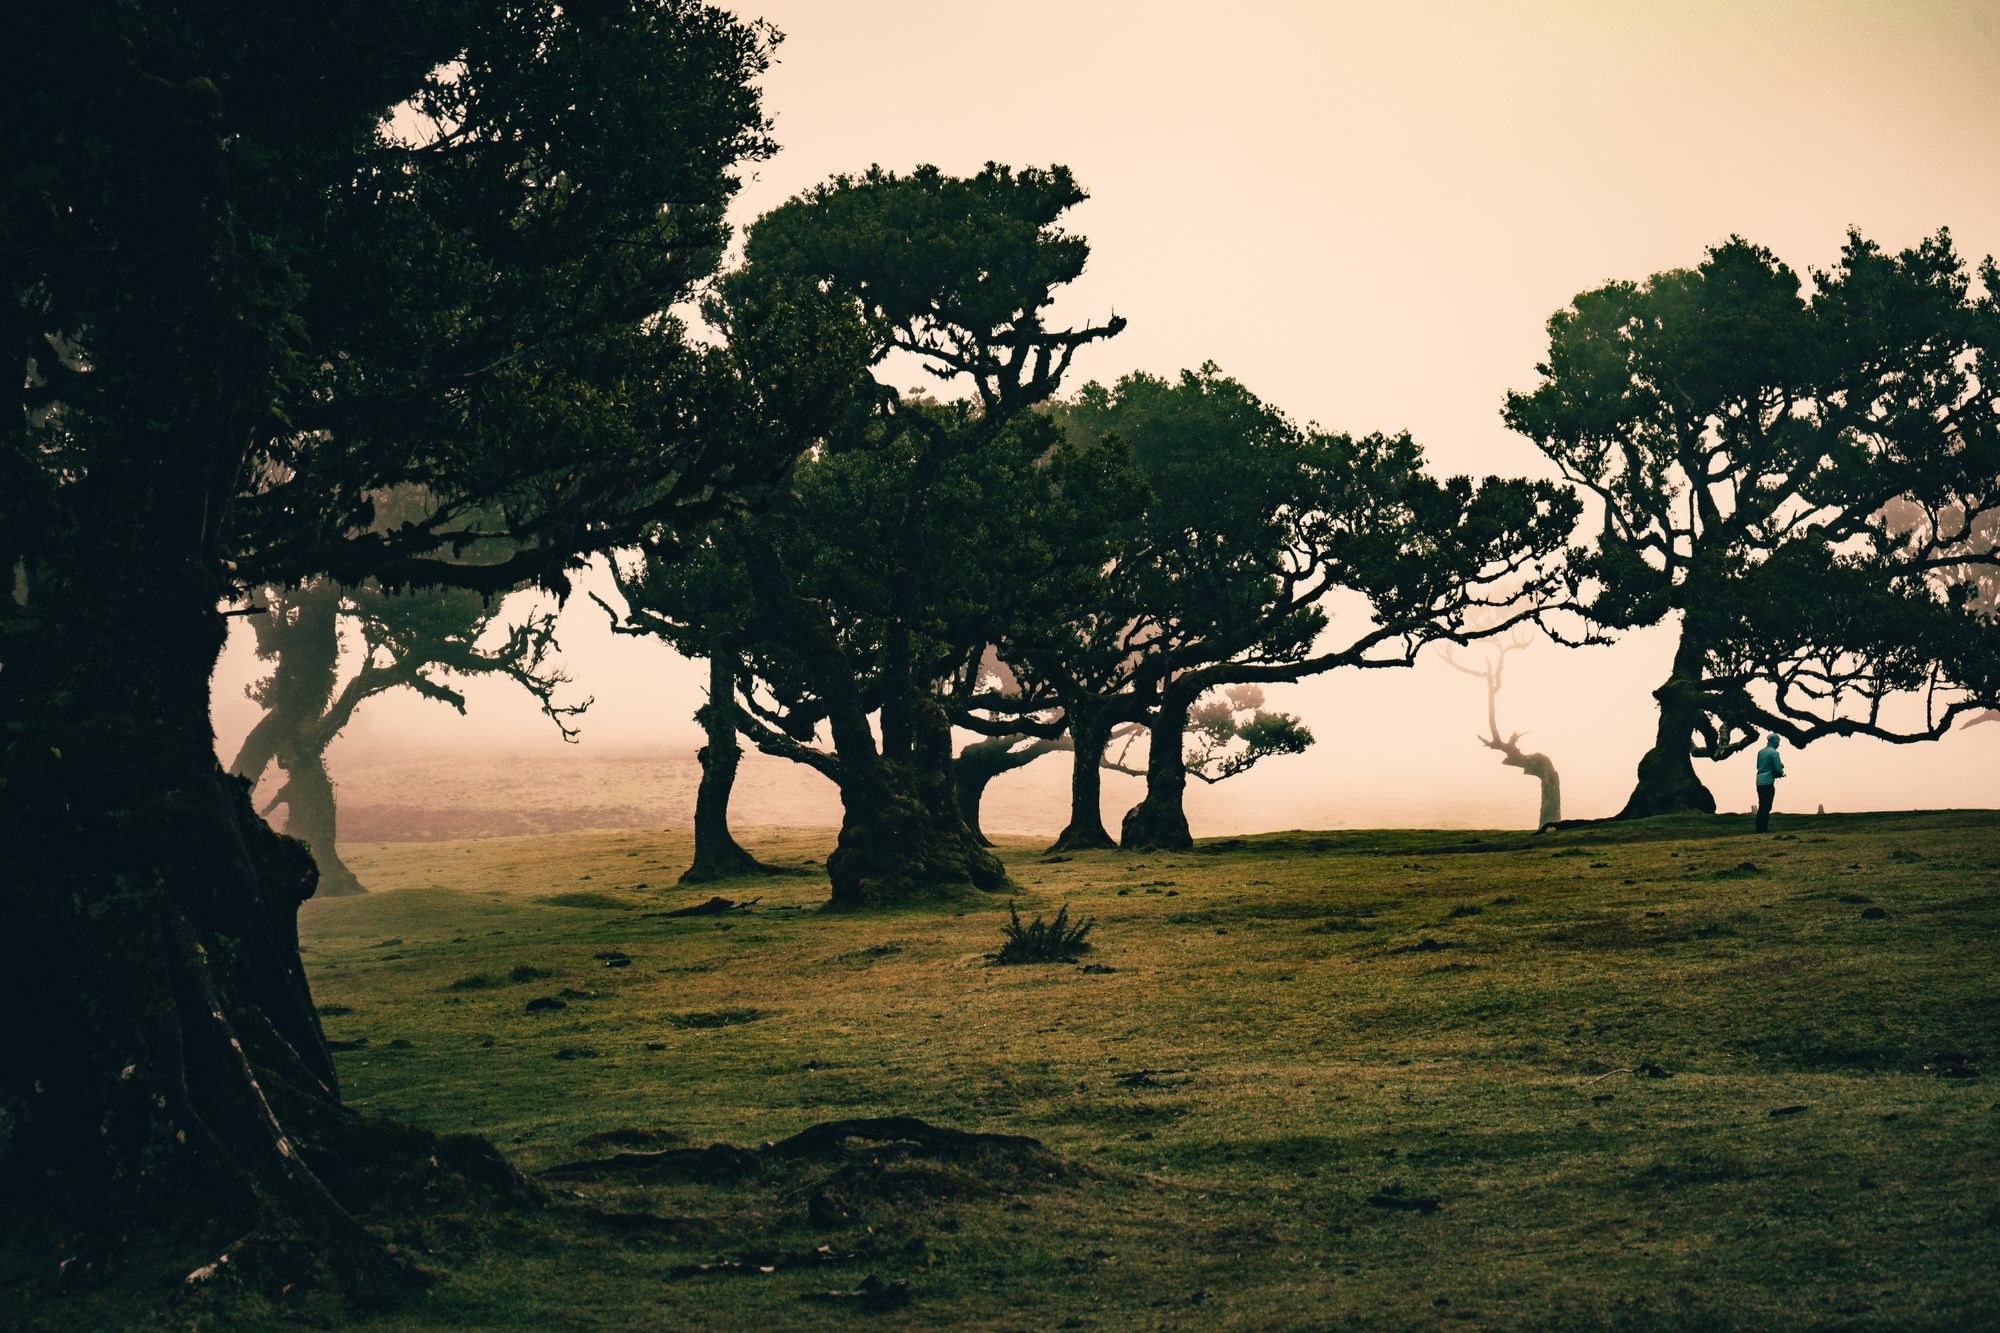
1358 1080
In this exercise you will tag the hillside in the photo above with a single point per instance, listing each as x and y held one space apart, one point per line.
1654 1075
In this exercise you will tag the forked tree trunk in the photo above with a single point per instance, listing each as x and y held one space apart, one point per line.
1085 830
1667 782
902 838
717 855
1159 821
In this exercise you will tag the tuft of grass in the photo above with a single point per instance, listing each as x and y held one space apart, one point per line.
520 973
1057 941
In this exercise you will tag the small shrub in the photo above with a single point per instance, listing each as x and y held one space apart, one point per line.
1057 941
528 972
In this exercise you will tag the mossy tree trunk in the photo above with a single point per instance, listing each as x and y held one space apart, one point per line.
902 838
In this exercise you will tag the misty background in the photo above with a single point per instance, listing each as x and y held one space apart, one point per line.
1366 213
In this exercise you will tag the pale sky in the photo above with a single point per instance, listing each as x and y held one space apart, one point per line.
1366 212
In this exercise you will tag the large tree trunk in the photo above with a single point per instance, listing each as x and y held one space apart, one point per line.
1085 830
716 852
1160 820
167 1079
1667 782
165 1089
902 838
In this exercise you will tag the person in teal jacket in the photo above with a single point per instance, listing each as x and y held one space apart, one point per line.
1770 767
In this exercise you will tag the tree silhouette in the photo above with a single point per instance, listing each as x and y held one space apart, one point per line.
261 273
413 641
698 599
1745 441
1255 526
874 579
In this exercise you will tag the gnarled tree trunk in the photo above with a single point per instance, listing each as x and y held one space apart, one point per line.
1667 782
304 644
1159 821
902 838
1542 769
311 816
167 1076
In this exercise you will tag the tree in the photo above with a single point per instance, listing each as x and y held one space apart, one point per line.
1745 440
1256 525
1537 766
699 601
874 577
408 641
248 305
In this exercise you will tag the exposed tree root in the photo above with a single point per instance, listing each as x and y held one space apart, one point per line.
714 907
723 1161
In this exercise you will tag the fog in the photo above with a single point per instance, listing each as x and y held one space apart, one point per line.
1366 213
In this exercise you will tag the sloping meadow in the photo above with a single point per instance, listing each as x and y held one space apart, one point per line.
1660 1074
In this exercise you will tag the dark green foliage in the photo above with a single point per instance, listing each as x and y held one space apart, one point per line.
873 580
1810 479
1057 941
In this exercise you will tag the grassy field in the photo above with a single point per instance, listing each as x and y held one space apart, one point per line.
1657 1075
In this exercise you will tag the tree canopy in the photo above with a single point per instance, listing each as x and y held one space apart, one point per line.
1270 552
1797 475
